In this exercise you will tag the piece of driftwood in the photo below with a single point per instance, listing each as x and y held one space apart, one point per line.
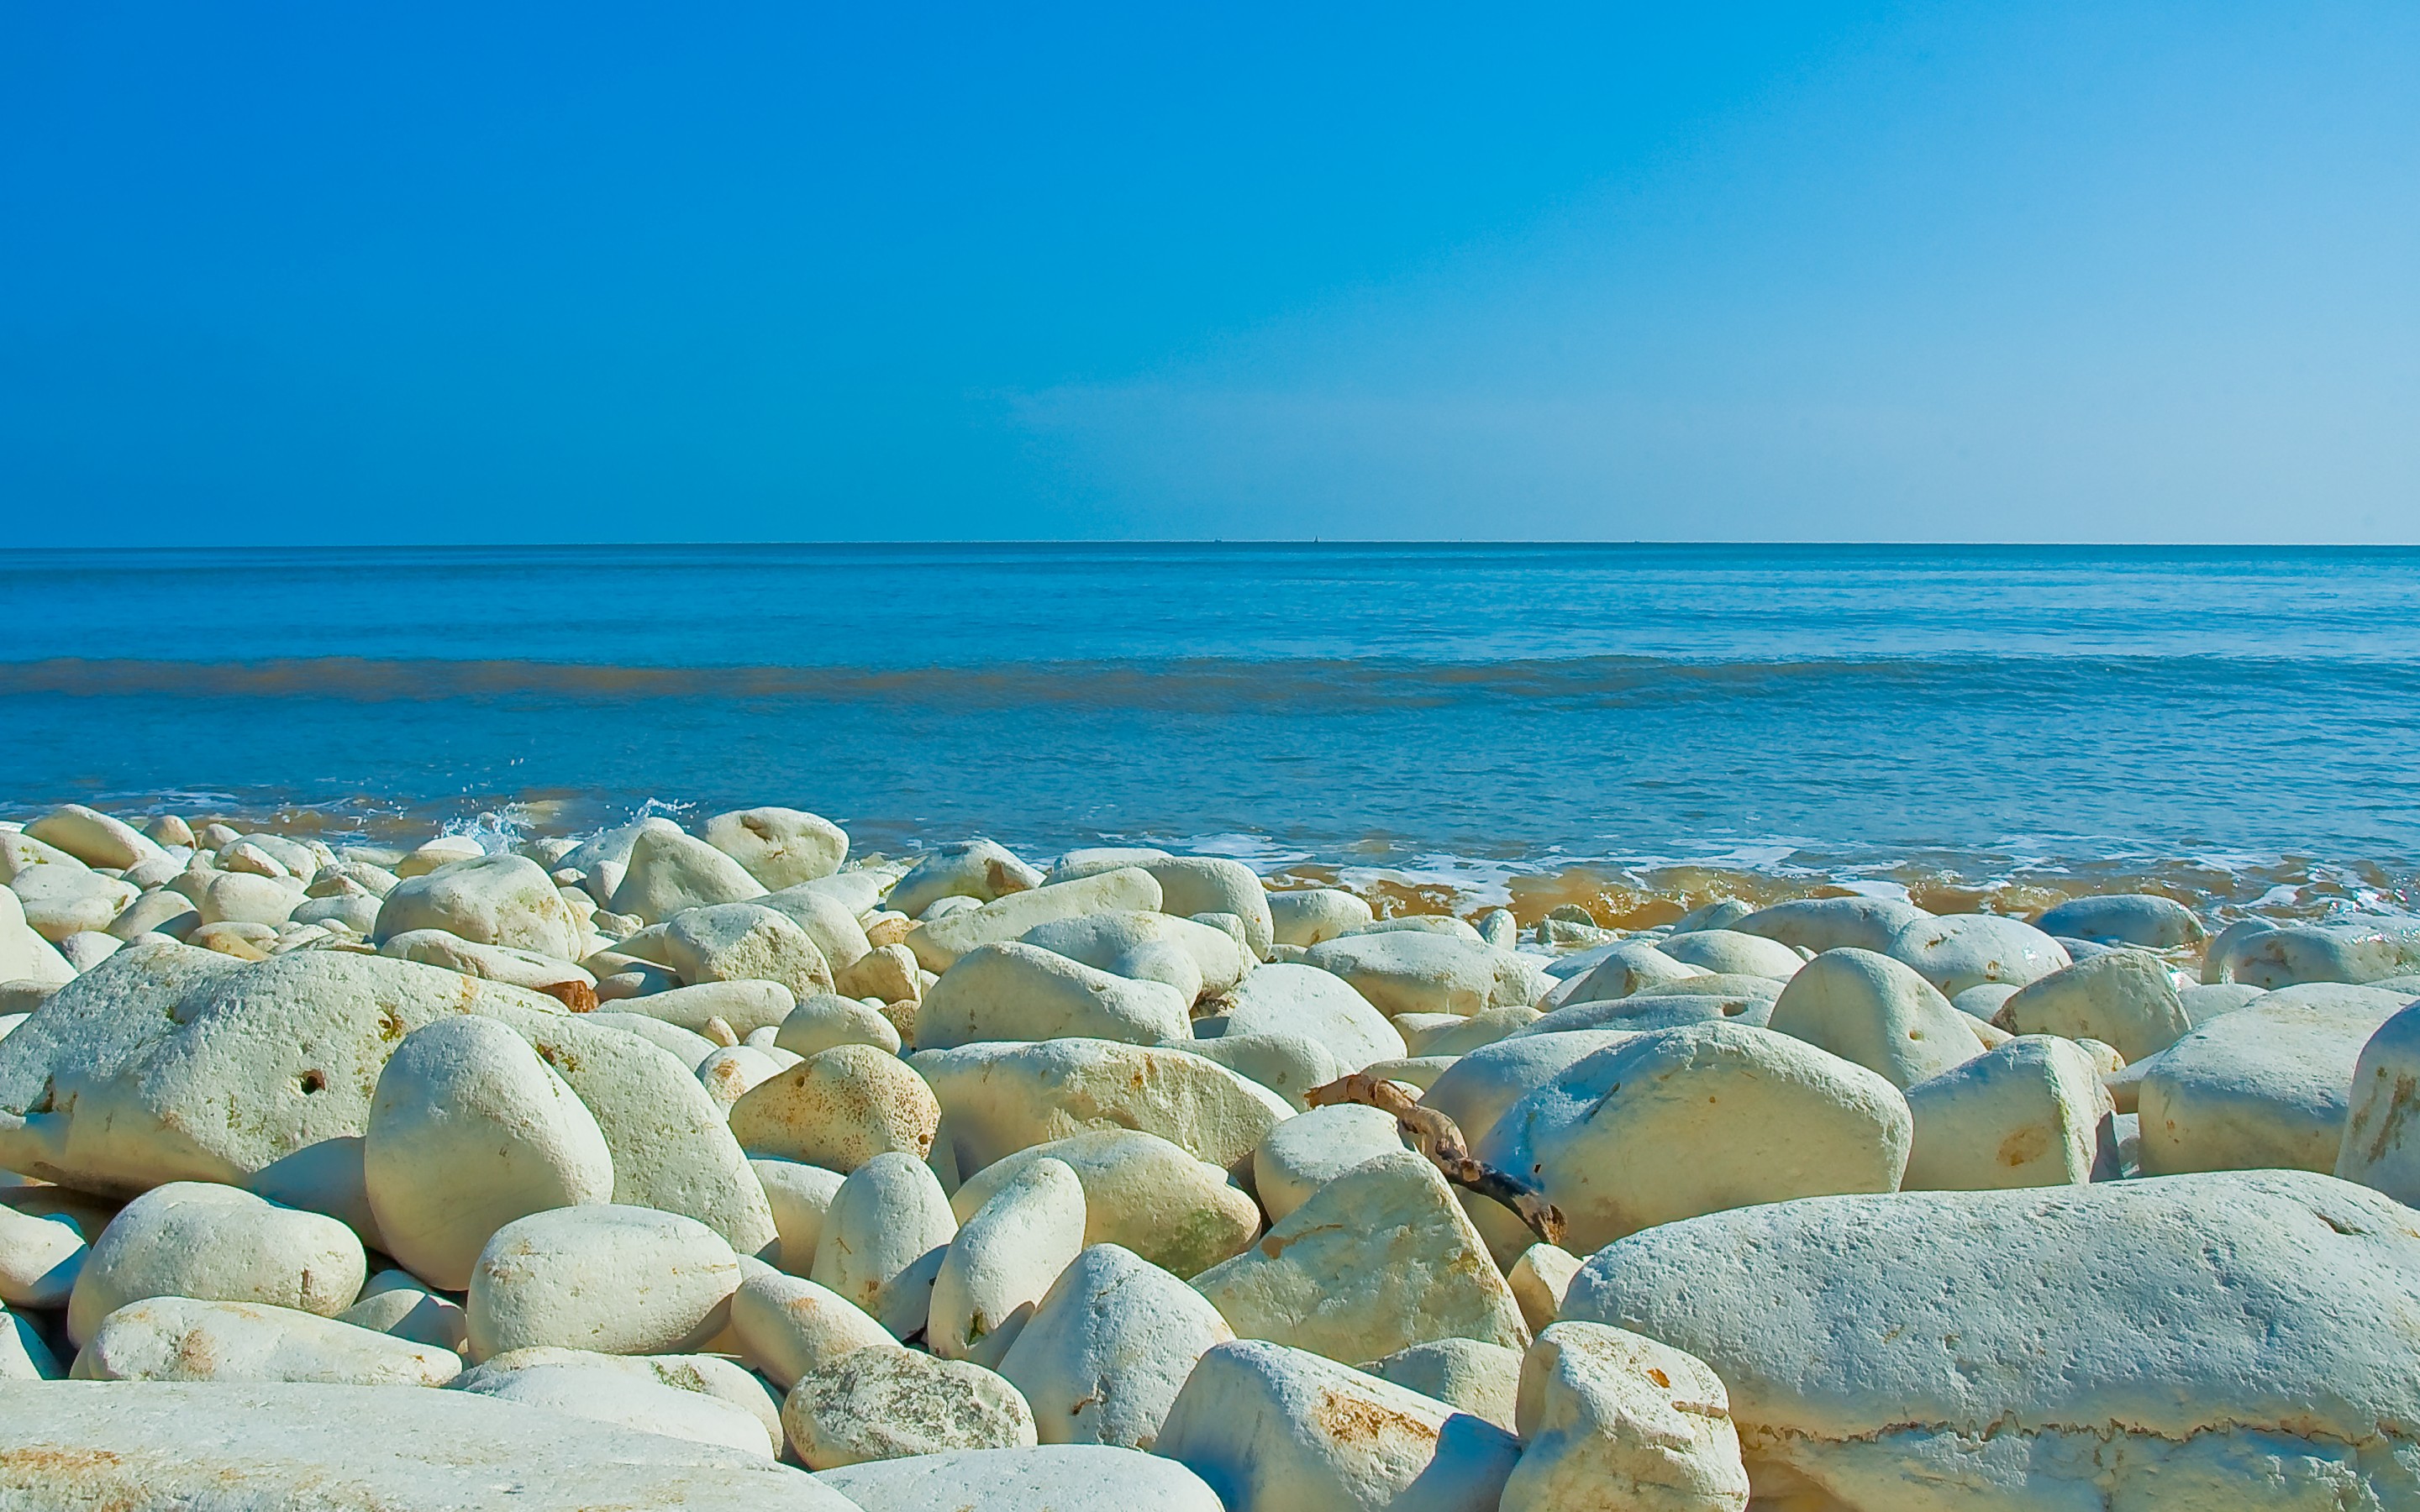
1435 1136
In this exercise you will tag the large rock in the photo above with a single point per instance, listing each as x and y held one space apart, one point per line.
2153 923
883 1240
669 871
1049 1478
838 1108
1875 1012
2125 999
2212 1340
1315 915
1002 1262
1290 1065
1609 1419
95 838
617 1280
826 1020
1308 1151
1113 1341
999 1099
1192 958
2378 1148
1274 1429
167 1063
1956 951
469 1131
1622 970
1762 1116
1378 1260
1483 1379
1022 992
1731 951
892 1404
215 1243
2032 1112
2302 953
496 962
179 1338
1404 972
2268 1085
24 955
1481 1087
744 1007
151 1447
940 942
1284 998
496 900
1191 885
978 869
1140 1193
703 1397
61 901
1820 924
828 922
779 847
745 942
787 1326
40 1256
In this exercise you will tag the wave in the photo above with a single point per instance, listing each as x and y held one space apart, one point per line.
1585 680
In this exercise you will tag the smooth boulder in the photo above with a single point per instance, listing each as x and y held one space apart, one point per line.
617 1280
1104 1356
999 1099
1013 991
215 1243
1609 1419
1877 1012
1002 1262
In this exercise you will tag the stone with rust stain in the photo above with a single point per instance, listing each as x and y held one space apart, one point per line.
838 1108
179 1338
1610 1421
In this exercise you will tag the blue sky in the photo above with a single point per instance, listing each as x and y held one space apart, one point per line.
313 274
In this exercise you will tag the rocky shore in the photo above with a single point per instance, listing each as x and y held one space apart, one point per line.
652 1168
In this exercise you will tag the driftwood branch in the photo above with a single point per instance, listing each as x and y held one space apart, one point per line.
1435 1136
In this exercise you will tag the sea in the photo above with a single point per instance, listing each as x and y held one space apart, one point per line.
1632 727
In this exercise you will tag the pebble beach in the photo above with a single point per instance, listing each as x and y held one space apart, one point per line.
727 1163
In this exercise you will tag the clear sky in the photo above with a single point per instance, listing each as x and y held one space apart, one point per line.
315 272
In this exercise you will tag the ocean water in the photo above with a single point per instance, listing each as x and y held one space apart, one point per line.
1629 726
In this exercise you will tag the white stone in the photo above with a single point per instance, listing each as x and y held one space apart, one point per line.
1195 885
1113 1341
468 1131
2029 1113
1140 1193
886 973
885 1220
710 1399
1304 1153
838 1108
1315 915
2153 923
1722 951
215 1243
1449 1035
1002 1262
94 838
1194 959
966 868
1289 1065
938 941
1539 1279
24 955
828 922
1611 1420
1877 1012
495 899
1379 1258
619 1280
1479 1088
1274 1429
799 1196
670 871
1954 951
396 1449
1281 998
1484 1380
685 1045
2201 1341
891 1404
2125 999
23 1356
1744 1115
40 1257
327 1177
779 847
494 963
825 1020
2268 1085
1001 1098
61 901
397 1302
732 1071
1049 1479
787 1326
2378 1148
1820 924
180 1338
745 942
1022 992
744 1007
2302 953
1411 973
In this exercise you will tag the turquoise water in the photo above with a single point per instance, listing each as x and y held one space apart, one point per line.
2231 721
